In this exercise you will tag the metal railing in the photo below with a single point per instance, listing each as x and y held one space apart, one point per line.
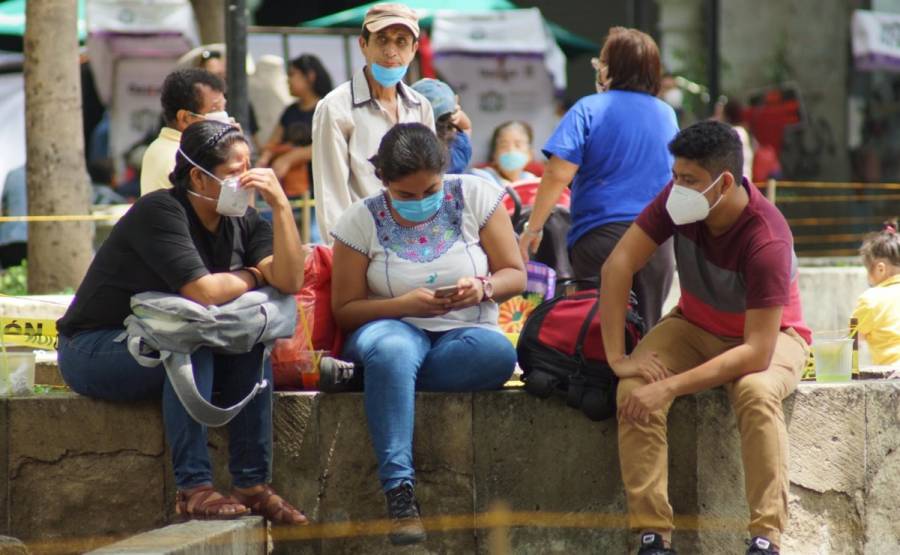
832 218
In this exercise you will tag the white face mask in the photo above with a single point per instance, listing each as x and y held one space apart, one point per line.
232 201
686 206
221 115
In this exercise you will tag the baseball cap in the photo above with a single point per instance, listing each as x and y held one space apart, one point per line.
381 16
439 94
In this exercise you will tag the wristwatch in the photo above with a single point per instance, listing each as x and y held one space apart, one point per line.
487 287
532 232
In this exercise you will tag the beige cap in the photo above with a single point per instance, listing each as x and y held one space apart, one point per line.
381 16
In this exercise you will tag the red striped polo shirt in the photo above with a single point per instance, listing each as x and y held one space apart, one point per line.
752 265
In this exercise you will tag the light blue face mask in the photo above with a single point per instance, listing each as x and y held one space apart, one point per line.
513 160
419 210
388 76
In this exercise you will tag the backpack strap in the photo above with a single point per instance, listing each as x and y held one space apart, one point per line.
577 380
575 392
135 347
181 374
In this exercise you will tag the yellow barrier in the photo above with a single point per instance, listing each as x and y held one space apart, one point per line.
832 194
61 218
814 210
29 332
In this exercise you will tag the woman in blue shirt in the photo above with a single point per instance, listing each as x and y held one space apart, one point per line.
612 148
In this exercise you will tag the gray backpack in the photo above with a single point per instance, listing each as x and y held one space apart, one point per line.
174 327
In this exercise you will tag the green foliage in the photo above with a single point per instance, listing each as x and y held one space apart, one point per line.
14 280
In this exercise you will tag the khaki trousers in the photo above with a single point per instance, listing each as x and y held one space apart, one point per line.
756 399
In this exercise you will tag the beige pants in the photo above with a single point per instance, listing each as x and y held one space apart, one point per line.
756 399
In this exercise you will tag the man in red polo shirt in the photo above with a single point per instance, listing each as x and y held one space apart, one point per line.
738 324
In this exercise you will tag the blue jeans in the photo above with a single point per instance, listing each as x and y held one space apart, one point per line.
399 359
95 365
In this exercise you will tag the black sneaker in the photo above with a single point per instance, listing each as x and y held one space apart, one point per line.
403 509
653 544
761 546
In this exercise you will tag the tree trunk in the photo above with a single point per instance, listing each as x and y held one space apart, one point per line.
210 16
58 252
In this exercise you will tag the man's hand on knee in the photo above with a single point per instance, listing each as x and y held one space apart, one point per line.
644 365
644 400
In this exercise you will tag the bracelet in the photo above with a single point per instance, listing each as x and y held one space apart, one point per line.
256 280
526 231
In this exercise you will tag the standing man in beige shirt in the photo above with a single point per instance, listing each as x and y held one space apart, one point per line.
188 95
351 120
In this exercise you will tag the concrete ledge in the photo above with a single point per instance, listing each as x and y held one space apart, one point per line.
74 468
245 536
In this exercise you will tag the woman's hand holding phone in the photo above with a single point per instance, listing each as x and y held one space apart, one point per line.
470 293
422 302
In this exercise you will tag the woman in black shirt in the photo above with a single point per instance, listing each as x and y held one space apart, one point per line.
289 150
183 240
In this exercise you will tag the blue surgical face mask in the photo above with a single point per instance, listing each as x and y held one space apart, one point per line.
419 210
511 161
388 76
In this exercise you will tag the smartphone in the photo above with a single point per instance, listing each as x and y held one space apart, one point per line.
444 292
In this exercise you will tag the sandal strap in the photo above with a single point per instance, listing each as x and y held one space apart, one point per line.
270 505
197 502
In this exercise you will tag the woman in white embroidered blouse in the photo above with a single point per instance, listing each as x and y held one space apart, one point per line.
418 270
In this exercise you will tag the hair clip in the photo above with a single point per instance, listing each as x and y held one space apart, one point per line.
890 228
214 140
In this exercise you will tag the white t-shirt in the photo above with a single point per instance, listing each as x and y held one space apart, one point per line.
432 254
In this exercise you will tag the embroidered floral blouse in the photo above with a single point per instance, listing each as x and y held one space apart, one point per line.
432 254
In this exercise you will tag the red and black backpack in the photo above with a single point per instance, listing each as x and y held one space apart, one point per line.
560 351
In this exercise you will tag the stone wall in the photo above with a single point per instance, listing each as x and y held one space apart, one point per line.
85 472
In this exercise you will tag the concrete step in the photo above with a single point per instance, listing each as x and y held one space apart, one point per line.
72 467
245 536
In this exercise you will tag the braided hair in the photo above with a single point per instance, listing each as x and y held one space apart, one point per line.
207 143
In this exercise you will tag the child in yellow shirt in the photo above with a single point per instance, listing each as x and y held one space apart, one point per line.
878 309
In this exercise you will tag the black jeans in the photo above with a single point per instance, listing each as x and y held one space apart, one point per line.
651 285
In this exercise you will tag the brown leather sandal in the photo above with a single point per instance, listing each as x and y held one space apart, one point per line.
205 503
271 506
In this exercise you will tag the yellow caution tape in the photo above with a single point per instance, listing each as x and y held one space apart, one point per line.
298 203
36 333
62 218
301 203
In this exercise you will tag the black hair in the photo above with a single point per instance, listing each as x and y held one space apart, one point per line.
406 149
492 150
714 145
884 244
306 64
181 91
733 112
445 129
208 143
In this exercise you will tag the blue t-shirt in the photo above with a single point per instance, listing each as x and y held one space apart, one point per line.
460 153
619 140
